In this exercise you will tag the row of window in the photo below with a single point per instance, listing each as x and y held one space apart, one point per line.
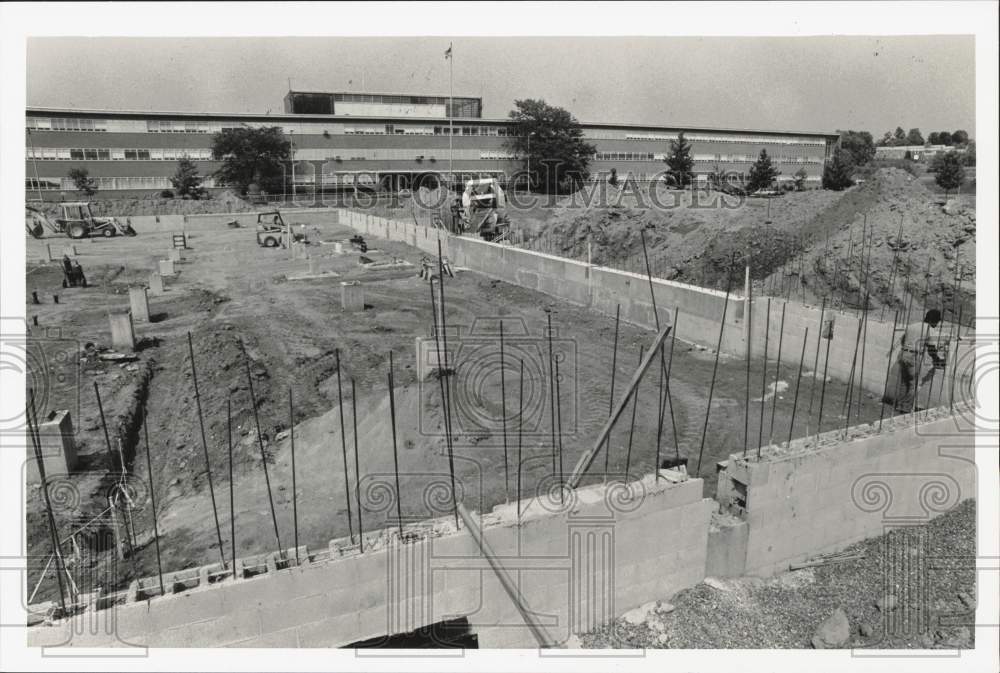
728 158
753 139
116 154
628 156
130 182
366 154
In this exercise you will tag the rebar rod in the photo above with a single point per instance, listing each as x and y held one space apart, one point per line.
798 385
204 446
295 491
631 430
746 399
357 468
444 404
777 372
152 500
611 397
395 449
552 389
715 367
520 433
33 432
815 367
559 434
343 448
822 393
447 377
888 370
503 412
260 444
232 485
666 397
763 380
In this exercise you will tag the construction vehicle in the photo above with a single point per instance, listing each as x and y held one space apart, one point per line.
484 206
77 221
272 230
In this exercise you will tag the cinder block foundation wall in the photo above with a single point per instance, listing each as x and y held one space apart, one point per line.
809 499
578 564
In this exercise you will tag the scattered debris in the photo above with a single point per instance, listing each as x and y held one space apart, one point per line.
833 632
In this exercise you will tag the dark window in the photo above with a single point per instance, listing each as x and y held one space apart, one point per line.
131 154
76 154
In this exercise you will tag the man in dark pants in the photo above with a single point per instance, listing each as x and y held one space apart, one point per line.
918 358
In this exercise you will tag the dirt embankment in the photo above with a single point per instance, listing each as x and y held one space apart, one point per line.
891 238
155 204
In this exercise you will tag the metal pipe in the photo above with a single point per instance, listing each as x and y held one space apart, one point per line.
777 372
798 385
343 447
204 446
395 449
611 398
583 464
260 444
295 497
503 412
715 367
537 630
357 468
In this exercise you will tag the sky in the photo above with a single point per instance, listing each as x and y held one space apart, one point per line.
799 84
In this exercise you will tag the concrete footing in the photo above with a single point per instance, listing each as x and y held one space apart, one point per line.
155 284
166 267
174 255
352 296
122 330
55 434
139 302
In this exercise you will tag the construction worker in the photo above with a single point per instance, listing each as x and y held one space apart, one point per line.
918 358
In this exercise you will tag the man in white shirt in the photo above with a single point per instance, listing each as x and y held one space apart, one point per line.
917 359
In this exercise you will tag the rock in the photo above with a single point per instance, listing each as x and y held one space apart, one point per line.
716 584
662 639
281 435
866 630
927 641
967 600
833 632
638 615
887 603
665 607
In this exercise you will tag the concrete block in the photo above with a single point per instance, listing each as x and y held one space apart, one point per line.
122 331
155 284
174 255
352 296
58 448
338 248
139 302
166 267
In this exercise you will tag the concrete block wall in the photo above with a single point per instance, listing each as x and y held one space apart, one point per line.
811 499
578 565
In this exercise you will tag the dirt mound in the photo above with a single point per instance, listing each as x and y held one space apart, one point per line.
914 239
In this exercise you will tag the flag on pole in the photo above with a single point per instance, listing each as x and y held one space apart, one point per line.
447 54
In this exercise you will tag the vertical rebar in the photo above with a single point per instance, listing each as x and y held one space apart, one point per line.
798 385
357 468
666 397
33 432
551 387
888 370
343 448
444 403
763 380
204 446
746 401
611 397
631 430
559 434
395 450
849 393
822 393
777 372
447 383
260 444
107 438
815 367
295 496
152 500
503 412
715 367
520 433
232 485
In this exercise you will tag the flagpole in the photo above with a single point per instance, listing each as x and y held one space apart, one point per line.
451 112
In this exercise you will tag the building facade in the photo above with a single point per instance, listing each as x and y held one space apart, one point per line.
372 140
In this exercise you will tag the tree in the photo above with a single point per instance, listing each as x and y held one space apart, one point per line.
944 138
899 136
969 157
800 179
85 184
860 144
251 157
552 140
950 173
914 137
959 137
613 178
762 173
680 162
886 139
838 171
186 180
934 138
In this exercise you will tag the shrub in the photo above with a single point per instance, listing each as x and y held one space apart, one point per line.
166 194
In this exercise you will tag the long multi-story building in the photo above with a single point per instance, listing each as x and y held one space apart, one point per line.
387 140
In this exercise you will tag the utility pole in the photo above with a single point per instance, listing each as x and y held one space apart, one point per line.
450 112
